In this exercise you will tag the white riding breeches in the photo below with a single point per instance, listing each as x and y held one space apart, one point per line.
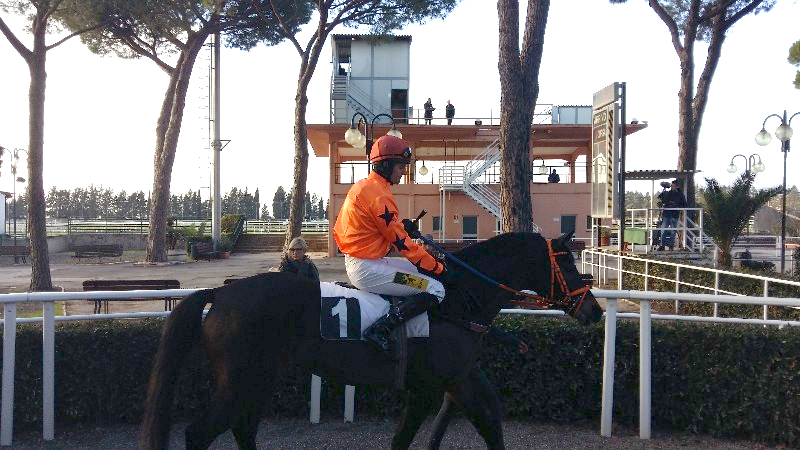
380 276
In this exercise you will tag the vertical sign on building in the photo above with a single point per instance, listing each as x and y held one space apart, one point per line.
604 153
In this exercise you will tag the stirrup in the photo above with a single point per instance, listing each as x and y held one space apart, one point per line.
379 334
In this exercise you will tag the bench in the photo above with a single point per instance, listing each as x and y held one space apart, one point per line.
577 246
131 285
15 251
203 250
98 251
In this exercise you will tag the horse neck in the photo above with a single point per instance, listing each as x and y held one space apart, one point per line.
517 260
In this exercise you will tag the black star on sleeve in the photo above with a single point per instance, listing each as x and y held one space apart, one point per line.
400 243
387 215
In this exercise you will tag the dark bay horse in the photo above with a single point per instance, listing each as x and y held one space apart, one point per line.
252 320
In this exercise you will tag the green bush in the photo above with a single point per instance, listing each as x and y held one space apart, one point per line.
726 380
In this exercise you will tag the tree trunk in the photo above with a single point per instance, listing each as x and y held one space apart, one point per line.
519 74
40 257
308 65
167 134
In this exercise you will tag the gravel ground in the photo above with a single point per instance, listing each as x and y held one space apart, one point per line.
366 434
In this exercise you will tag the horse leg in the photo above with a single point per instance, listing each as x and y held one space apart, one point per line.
414 414
482 407
245 428
215 421
440 422
251 404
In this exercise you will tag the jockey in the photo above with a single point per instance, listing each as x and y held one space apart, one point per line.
368 227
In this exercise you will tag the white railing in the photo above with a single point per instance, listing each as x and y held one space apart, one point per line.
688 231
645 341
48 319
280 226
598 263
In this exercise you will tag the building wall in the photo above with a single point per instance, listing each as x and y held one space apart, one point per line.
550 201
376 67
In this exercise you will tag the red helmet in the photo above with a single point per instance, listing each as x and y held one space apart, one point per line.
390 147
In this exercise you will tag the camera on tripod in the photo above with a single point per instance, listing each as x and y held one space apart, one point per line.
665 184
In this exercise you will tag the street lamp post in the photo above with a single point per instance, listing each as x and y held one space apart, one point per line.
750 164
784 134
354 137
14 164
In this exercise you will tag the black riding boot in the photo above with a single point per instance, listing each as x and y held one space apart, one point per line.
412 306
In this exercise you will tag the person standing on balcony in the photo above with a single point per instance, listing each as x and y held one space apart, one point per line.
673 198
368 228
449 112
429 111
553 177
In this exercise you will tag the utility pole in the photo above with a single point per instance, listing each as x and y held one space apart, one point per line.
216 148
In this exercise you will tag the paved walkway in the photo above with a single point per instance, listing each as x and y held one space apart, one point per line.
68 274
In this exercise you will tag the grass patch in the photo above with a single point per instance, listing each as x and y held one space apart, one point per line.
26 311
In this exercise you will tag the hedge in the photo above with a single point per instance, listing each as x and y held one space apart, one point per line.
726 380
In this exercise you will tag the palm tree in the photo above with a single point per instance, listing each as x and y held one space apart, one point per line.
728 210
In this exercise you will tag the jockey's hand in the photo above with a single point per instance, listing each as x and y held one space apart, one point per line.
434 274
412 228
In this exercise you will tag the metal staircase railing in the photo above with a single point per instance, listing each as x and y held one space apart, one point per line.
454 177
358 100
483 162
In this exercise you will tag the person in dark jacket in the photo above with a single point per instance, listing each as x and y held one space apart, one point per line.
428 111
673 198
449 112
296 261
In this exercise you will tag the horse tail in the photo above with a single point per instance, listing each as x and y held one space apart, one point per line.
181 331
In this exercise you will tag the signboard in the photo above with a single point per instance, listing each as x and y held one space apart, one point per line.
604 151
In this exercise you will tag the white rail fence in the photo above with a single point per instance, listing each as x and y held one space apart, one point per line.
48 319
600 263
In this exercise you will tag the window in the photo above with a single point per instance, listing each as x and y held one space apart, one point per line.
437 224
589 223
568 224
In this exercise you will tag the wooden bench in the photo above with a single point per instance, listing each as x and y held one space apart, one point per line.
98 251
203 250
15 251
577 246
131 285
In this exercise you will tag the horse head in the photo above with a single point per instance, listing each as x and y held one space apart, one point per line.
567 290
522 261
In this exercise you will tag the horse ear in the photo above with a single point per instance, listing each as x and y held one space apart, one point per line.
566 237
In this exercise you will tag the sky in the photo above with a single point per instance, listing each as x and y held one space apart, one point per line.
101 111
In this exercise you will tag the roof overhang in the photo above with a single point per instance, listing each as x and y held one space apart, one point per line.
447 142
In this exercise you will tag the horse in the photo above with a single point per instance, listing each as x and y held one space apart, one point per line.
251 321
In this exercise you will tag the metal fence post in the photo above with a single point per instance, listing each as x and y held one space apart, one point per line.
608 367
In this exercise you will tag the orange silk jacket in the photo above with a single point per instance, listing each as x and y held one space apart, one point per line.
368 225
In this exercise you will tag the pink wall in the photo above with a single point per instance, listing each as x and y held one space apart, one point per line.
550 202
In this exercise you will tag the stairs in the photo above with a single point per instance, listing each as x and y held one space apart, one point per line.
469 181
339 91
264 243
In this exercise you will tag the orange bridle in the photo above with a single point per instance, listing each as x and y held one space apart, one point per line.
570 300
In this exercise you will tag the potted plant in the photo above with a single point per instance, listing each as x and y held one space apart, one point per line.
225 247
605 236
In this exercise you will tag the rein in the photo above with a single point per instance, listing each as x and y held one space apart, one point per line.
529 300
556 279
